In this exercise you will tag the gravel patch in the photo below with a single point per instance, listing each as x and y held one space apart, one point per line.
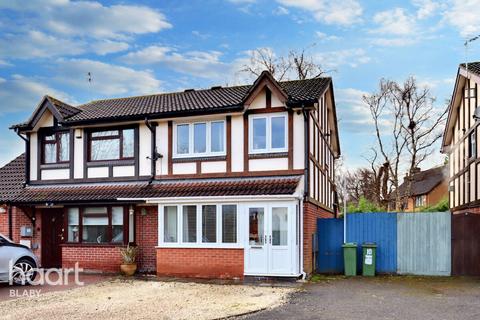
137 299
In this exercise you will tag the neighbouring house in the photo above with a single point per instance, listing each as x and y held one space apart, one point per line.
224 182
460 140
424 188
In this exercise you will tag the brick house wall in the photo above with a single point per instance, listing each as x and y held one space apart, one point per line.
146 232
4 222
311 213
438 193
92 258
200 263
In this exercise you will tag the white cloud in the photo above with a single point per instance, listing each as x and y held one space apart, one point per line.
4 63
347 57
343 13
204 64
325 37
19 93
107 46
426 8
463 15
280 11
242 1
36 44
394 42
107 79
395 22
92 19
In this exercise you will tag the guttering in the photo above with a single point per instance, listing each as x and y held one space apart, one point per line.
153 146
306 151
10 223
263 198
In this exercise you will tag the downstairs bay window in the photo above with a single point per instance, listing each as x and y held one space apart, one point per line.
99 225
208 225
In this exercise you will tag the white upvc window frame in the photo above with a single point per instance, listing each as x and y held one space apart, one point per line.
198 244
208 146
268 145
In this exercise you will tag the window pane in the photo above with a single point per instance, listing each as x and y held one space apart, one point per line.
278 132
95 226
128 143
256 223
189 223
170 224
217 136
117 224
229 224
64 147
182 139
279 226
73 222
105 149
50 153
50 137
259 133
199 137
105 133
209 223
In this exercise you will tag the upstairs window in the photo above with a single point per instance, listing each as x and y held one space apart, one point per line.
420 201
111 145
56 148
199 139
268 133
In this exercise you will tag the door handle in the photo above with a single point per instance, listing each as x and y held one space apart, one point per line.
270 239
265 239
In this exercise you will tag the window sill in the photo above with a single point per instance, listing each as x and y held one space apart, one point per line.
55 166
103 163
199 246
268 155
199 158
96 245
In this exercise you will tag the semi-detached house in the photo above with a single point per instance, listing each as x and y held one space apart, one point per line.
224 182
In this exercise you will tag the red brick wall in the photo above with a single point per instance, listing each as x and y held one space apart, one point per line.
311 213
146 232
200 263
105 259
4 222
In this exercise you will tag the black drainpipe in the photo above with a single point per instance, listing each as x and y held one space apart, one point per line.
10 224
27 155
153 145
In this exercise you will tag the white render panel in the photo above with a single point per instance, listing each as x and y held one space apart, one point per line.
33 155
162 148
214 166
268 164
298 144
259 102
46 120
55 174
237 143
124 171
185 168
145 150
276 101
78 154
97 172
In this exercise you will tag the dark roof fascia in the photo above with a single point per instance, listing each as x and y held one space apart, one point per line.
74 202
450 112
334 108
44 104
265 75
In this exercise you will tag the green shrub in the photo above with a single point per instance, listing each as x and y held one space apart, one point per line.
440 206
364 205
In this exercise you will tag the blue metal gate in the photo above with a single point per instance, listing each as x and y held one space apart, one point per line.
330 240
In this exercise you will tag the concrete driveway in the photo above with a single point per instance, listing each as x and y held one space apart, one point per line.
12 292
382 298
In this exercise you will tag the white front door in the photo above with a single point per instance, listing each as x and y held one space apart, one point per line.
271 240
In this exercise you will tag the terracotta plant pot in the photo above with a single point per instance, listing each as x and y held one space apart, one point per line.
128 269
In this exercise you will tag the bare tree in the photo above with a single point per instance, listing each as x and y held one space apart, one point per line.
407 126
265 59
297 65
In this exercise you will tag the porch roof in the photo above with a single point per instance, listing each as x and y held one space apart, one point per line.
111 192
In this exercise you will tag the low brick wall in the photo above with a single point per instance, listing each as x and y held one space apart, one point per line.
200 263
104 259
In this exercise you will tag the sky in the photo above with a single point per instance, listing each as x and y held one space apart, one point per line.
145 47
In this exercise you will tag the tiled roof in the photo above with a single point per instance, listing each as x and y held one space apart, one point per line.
472 67
279 185
216 99
424 181
12 176
64 109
